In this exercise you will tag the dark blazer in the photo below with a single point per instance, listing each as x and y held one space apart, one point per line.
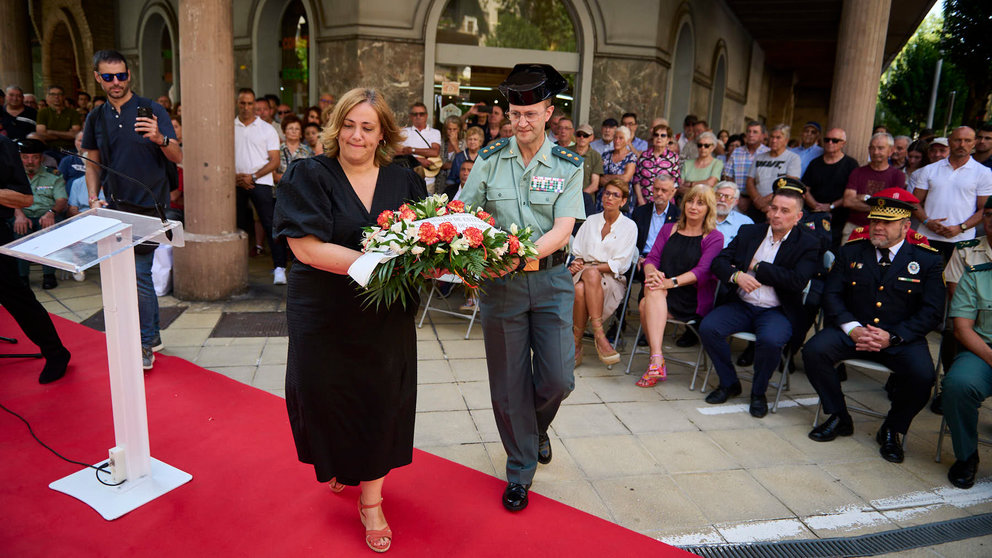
906 300
797 260
642 218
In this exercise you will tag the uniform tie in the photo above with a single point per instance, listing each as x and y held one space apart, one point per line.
884 261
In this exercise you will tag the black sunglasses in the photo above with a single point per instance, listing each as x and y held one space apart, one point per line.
121 76
285 112
702 145
418 114
582 135
661 135
832 140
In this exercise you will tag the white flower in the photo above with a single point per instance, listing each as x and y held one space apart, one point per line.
397 248
439 250
417 250
514 229
500 250
459 244
491 232
397 227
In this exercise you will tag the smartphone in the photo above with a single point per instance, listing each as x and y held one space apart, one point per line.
145 112
483 108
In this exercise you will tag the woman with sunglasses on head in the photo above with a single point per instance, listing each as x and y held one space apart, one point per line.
659 159
705 169
677 277
602 251
618 163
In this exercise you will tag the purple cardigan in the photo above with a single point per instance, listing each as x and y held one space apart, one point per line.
705 281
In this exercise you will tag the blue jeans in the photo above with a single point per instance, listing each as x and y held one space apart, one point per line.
769 325
147 299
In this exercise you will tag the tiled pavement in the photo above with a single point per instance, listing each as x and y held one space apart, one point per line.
658 461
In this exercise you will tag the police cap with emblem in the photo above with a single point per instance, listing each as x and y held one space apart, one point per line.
529 84
789 184
28 146
892 204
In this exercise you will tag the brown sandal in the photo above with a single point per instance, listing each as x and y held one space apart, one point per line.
610 357
379 540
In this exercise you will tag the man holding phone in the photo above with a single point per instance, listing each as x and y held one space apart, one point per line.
134 136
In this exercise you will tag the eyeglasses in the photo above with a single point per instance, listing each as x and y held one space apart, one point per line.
609 194
702 145
833 140
720 196
418 114
659 135
582 135
530 116
109 78
281 112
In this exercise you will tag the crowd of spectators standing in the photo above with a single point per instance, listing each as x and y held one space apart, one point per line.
755 210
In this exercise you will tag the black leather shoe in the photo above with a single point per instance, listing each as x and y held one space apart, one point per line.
891 449
642 341
759 406
49 282
543 449
515 496
842 372
747 357
836 425
937 407
687 339
722 394
962 473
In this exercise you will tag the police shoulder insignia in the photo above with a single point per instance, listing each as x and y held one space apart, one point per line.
568 155
826 225
493 148
859 230
981 267
926 246
967 243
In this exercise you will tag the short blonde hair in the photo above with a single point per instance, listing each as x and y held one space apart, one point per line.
476 131
625 132
392 137
705 193
619 185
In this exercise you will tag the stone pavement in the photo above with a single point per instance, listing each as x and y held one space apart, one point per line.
659 461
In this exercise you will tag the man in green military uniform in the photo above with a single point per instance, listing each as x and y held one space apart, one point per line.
527 317
50 201
969 381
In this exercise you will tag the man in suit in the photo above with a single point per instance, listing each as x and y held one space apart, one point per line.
650 217
769 264
882 297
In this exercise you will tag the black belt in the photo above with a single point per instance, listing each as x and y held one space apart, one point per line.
554 259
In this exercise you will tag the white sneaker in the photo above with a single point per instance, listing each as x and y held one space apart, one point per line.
279 276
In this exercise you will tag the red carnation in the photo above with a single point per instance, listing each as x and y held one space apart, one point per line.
513 244
407 214
486 217
474 237
428 234
456 206
385 219
447 232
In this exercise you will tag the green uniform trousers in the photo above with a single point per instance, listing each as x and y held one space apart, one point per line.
530 352
965 386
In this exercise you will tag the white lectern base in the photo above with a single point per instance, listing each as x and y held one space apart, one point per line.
114 501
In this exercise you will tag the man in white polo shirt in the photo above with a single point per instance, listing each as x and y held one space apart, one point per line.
952 194
421 141
256 155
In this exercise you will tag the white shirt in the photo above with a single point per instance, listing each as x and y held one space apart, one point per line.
764 296
846 327
252 144
614 250
413 139
952 193
657 221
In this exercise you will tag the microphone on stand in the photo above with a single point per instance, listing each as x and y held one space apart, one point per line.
158 206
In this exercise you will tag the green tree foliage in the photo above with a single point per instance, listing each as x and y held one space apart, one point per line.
967 38
904 95
534 24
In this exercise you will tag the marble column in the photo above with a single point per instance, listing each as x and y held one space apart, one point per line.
857 71
214 263
15 48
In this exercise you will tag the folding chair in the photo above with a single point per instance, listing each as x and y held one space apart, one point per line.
945 429
783 367
864 365
631 271
453 279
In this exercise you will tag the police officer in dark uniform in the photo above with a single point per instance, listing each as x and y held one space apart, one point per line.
16 297
527 317
882 297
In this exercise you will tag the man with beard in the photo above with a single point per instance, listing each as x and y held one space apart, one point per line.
881 298
141 147
728 219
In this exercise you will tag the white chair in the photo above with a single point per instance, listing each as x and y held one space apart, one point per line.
454 280
864 365
692 326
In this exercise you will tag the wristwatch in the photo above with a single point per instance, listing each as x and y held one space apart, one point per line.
867 197
253 177
165 141
831 207
964 226
675 282
894 340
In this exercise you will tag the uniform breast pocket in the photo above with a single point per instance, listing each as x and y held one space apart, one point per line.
501 194
543 198
907 292
983 320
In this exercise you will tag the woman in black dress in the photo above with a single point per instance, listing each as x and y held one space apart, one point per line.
351 379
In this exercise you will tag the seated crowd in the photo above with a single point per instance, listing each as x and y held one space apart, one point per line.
728 233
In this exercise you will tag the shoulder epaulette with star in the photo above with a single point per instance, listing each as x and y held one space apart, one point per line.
927 246
967 243
979 267
569 156
493 148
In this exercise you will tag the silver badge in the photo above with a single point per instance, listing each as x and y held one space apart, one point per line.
913 268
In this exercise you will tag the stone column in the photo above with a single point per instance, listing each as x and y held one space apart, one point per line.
214 263
15 50
857 71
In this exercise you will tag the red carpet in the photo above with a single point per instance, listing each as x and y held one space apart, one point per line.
249 495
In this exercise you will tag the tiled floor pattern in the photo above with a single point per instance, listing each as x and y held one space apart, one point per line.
659 461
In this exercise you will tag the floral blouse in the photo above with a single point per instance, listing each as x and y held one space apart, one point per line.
650 166
286 156
610 167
